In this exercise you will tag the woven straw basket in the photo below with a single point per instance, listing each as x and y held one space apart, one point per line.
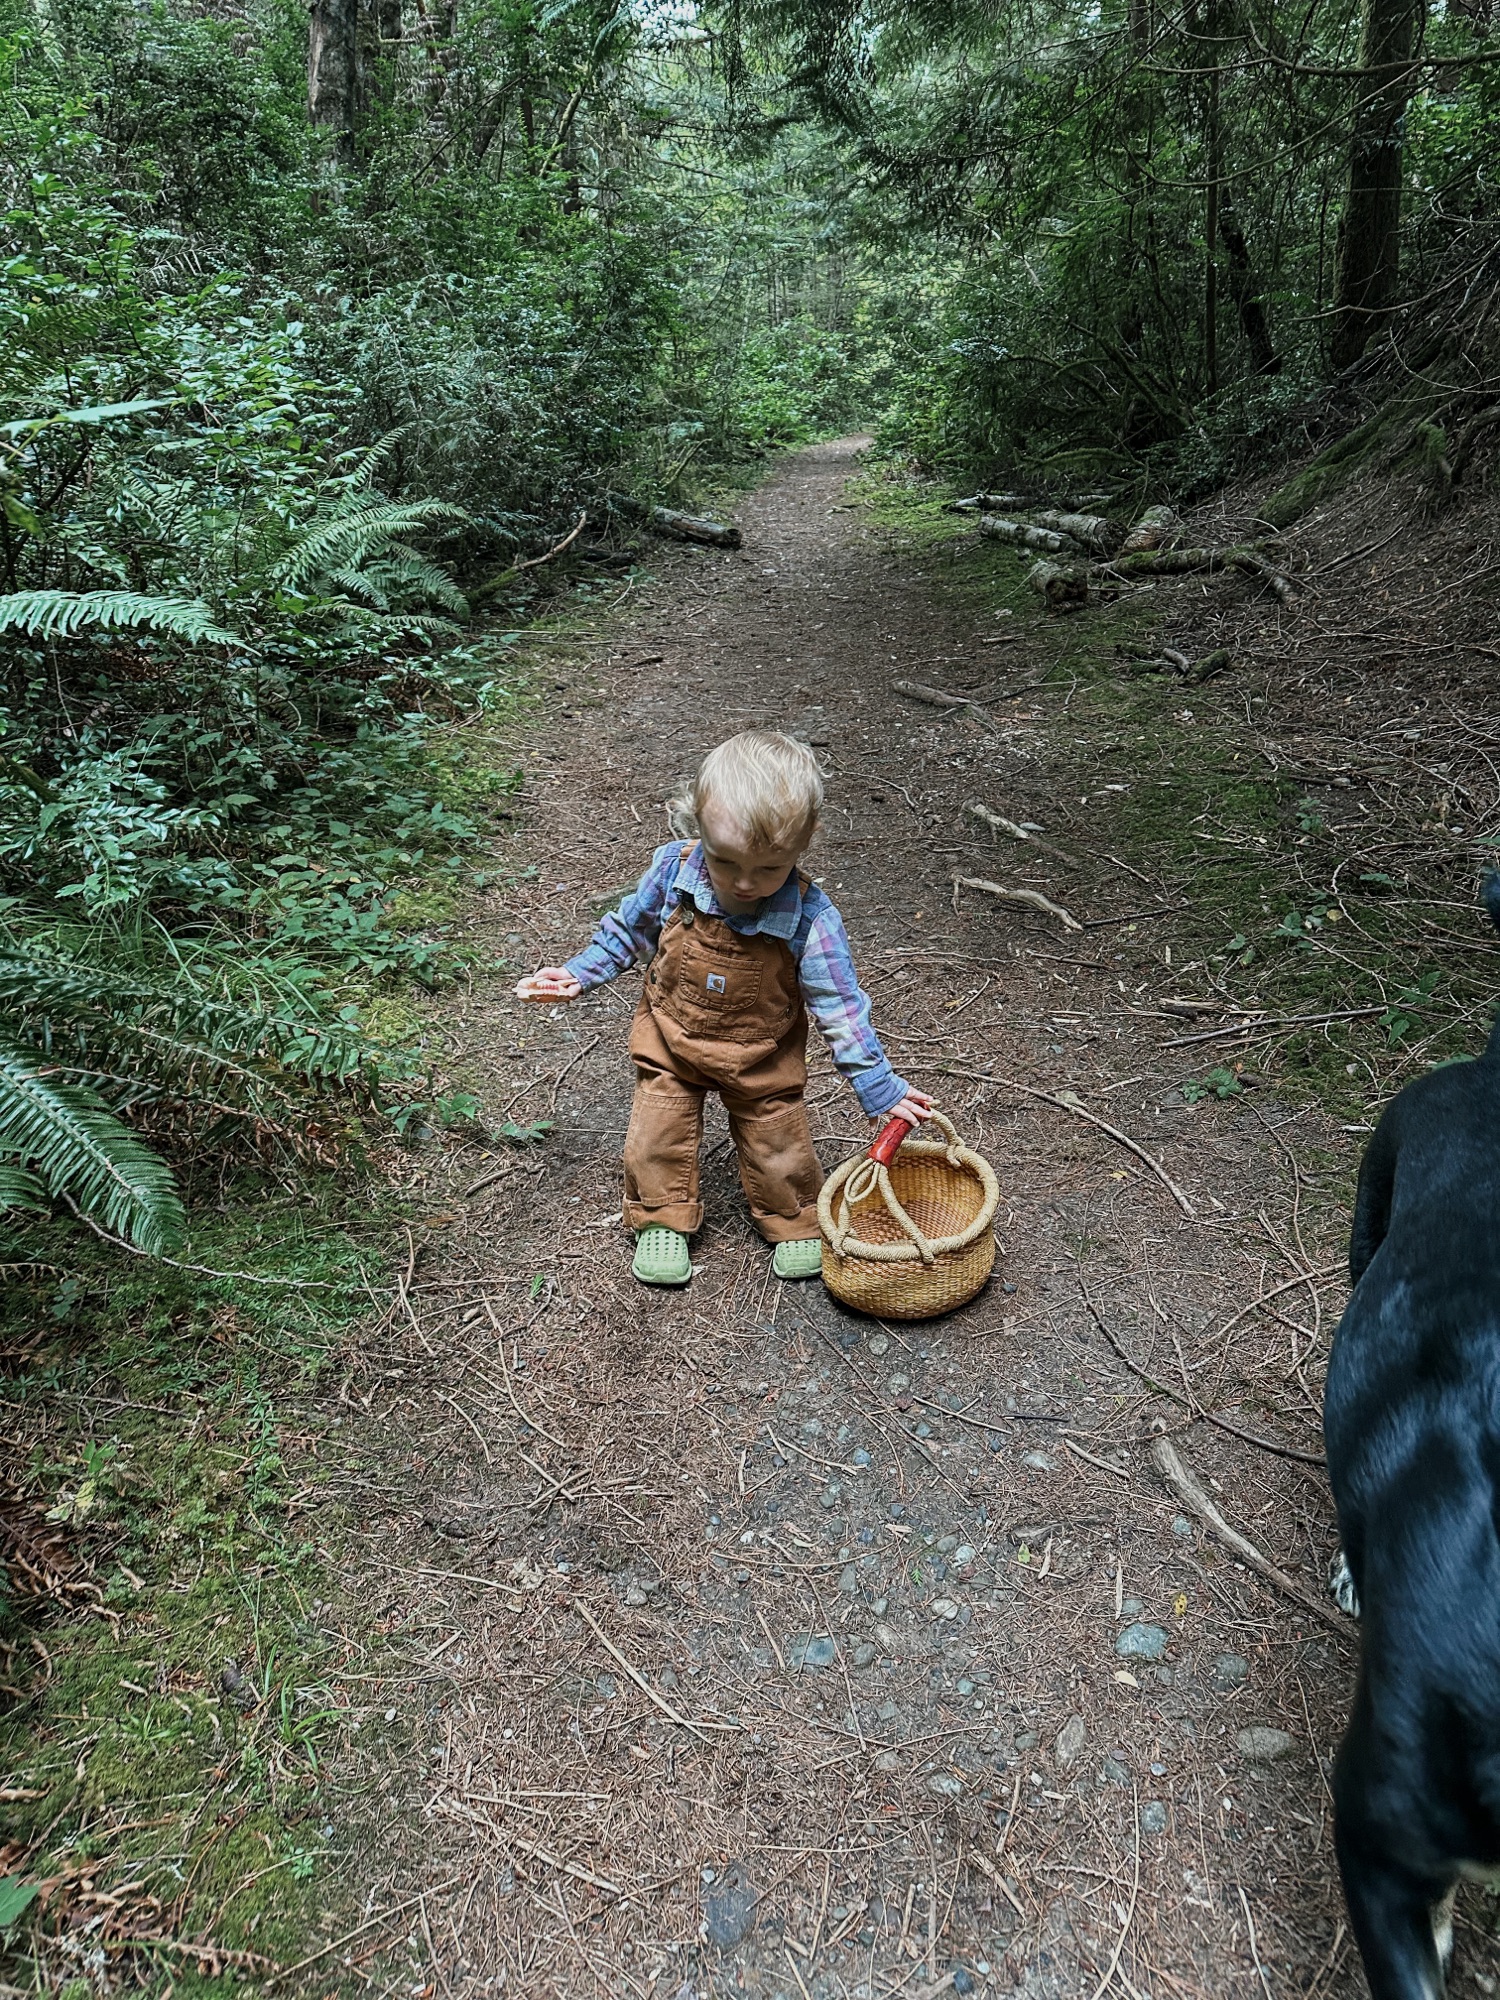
908 1226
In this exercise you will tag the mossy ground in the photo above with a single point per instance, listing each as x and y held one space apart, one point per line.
1274 907
169 1751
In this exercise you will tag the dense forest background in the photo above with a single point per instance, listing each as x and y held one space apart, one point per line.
319 330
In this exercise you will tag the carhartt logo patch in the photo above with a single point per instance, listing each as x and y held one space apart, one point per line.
715 982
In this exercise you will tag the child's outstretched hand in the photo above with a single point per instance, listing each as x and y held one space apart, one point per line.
552 982
915 1108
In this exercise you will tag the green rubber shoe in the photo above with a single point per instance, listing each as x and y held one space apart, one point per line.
661 1256
803 1259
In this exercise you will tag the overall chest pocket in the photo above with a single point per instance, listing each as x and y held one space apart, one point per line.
717 992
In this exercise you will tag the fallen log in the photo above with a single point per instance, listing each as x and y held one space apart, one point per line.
1062 585
1031 898
1193 562
988 503
694 528
1047 540
1154 530
1096 532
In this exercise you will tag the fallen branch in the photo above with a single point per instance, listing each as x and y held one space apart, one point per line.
1078 1451
1193 672
1129 1914
998 824
657 1701
939 698
1244 556
1032 898
934 697
1195 1409
1253 1029
1182 1483
986 503
535 562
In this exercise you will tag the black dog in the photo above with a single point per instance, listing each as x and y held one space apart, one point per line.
1411 1422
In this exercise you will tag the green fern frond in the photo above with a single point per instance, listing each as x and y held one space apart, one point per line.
57 614
19 1189
368 463
415 573
359 583
72 1142
103 1002
360 527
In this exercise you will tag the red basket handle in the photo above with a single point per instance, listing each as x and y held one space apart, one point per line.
889 1141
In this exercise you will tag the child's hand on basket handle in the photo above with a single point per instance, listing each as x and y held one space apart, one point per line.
913 1110
552 982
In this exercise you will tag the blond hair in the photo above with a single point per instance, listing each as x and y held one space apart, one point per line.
769 784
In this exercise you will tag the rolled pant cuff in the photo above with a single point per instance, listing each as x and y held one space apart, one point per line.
686 1217
799 1228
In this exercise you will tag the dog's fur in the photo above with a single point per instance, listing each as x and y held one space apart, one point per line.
1411 1421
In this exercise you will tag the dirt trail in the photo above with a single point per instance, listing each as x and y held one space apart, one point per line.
759 1649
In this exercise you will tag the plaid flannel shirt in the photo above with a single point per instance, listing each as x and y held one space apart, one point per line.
808 924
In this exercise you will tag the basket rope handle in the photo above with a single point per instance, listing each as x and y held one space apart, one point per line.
872 1177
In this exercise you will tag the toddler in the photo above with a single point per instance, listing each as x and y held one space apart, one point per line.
742 947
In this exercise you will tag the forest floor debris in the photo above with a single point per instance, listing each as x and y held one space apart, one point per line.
859 1581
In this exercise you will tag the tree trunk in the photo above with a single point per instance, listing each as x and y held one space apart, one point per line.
333 69
1246 293
1369 243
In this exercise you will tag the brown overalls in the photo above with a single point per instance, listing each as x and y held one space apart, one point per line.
722 1012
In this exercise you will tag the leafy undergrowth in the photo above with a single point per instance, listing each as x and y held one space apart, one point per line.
1293 868
183 1669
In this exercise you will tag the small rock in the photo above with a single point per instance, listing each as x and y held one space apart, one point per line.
888 1639
1265 1746
879 1344
1182 1526
1132 1607
810 1649
947 1545
1070 1740
1038 1461
888 1761
831 1495
1141 1642
887 1711
1153 1817
848 1580
1027 1740
963 1556
966 1687
944 1607
1231 1671
861 1458
864 1653
635 1595
963 1980
899 1384
943 1785
729 1908
1113 1772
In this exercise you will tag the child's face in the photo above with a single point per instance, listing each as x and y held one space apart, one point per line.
742 876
